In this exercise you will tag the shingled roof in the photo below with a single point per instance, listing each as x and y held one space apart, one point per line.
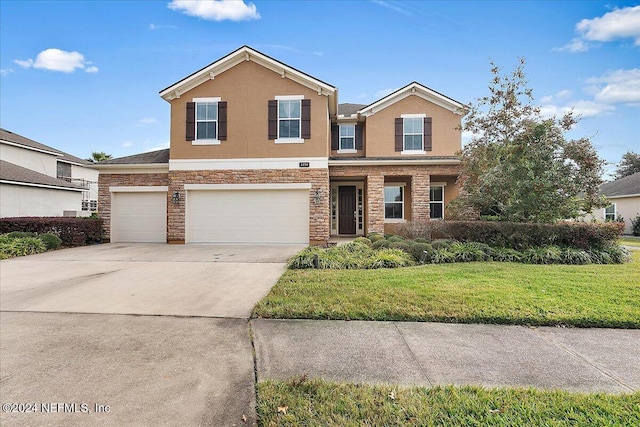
19 175
629 185
14 138
152 157
347 109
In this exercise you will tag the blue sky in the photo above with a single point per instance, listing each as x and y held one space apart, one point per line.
85 76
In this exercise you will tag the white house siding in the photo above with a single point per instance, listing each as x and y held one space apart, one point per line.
36 161
21 200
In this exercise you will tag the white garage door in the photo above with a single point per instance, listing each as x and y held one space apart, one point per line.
248 216
139 217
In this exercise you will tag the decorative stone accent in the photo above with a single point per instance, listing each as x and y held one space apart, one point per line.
375 204
420 194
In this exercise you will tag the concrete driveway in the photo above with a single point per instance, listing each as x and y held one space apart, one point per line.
158 334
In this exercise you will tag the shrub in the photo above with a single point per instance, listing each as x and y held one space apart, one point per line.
469 251
389 258
403 246
421 252
617 253
22 246
304 258
382 243
363 240
442 255
421 240
51 241
506 255
72 231
20 234
441 244
395 238
600 256
415 229
374 237
542 255
575 256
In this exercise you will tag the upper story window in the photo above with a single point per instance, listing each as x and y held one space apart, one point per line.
289 118
413 128
206 121
347 138
393 203
610 213
436 202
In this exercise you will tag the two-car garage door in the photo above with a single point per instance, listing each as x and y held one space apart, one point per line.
248 216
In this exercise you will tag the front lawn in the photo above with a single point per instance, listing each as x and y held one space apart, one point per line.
630 241
300 402
479 292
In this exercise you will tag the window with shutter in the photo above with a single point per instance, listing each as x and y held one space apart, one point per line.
289 119
204 121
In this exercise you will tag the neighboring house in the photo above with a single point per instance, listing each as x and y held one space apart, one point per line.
263 153
624 195
37 180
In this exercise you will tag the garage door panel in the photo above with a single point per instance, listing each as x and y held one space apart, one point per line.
248 216
139 217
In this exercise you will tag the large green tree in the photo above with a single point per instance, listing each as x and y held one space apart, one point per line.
629 164
518 165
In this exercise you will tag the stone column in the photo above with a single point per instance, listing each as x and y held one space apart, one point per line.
176 211
375 204
420 186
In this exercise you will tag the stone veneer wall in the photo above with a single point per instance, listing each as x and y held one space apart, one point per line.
319 230
375 175
124 180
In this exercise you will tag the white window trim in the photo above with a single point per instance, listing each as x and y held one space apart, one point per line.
441 185
205 141
279 140
347 150
615 212
395 184
412 116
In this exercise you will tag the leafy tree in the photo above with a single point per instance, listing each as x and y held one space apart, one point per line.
629 165
518 165
99 156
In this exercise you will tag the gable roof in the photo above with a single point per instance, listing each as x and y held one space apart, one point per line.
414 88
151 157
14 174
246 53
347 109
19 140
627 186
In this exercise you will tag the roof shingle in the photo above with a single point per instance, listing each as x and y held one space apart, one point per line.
152 157
18 174
622 187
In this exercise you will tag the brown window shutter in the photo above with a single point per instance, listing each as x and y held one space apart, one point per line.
399 134
222 120
335 137
191 122
305 130
359 142
273 119
427 134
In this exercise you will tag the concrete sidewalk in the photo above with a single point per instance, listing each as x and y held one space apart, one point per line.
407 353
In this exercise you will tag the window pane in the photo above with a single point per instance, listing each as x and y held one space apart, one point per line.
436 210
347 143
393 194
436 194
347 130
283 109
211 130
201 111
393 210
294 109
212 111
413 142
294 129
610 209
284 129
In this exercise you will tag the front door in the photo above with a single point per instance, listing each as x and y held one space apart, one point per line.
347 209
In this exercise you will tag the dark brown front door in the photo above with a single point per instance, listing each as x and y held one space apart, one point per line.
347 209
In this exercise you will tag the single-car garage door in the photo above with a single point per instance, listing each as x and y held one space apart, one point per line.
248 216
139 216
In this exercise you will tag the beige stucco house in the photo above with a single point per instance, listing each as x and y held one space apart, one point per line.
624 195
261 152
38 180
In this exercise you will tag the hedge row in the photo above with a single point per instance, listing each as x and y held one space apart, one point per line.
580 235
72 231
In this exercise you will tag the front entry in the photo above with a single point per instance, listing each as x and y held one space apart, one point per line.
347 209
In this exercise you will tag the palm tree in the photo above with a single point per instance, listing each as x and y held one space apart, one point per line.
99 156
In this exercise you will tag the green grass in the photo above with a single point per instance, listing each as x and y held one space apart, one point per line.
320 403
482 292
630 241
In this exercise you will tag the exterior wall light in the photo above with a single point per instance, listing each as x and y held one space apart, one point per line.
176 197
317 195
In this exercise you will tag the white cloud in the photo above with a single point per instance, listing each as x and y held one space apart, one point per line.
58 60
318 53
157 147
217 10
384 92
392 6
617 24
6 71
161 27
147 120
617 87
127 144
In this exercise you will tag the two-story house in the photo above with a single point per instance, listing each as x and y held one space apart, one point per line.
38 180
261 152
